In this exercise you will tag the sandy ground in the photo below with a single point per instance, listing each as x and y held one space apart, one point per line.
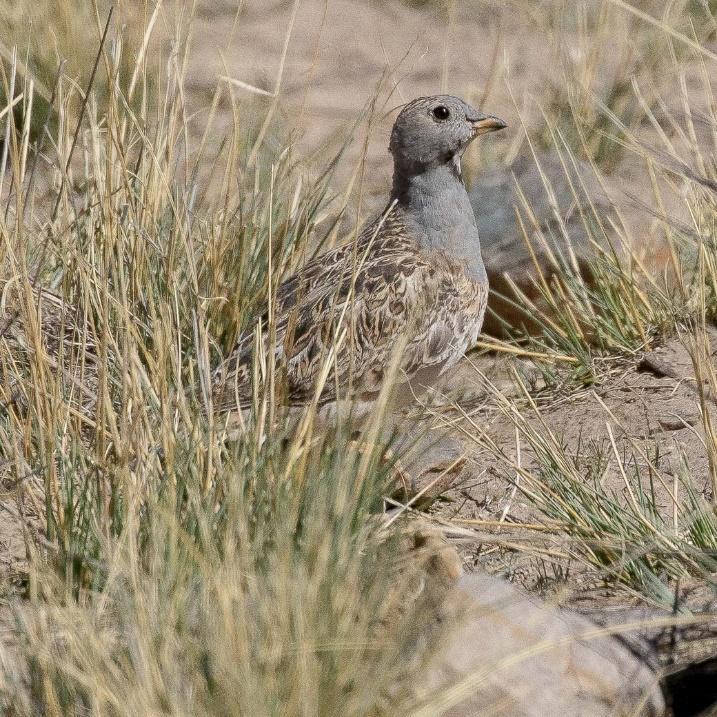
349 64
342 55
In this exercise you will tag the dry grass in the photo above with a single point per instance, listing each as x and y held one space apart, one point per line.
172 570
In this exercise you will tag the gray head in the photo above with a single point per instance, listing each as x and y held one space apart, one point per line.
434 131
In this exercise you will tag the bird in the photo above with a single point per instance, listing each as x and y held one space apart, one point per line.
43 321
412 281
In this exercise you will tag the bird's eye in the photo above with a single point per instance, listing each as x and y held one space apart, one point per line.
441 112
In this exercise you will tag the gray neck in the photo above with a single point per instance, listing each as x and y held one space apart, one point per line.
437 211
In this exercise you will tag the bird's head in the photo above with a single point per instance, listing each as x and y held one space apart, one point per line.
431 131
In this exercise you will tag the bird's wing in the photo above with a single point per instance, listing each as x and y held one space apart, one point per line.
371 302
330 267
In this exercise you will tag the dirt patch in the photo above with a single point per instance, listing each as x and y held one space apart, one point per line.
638 424
342 55
632 407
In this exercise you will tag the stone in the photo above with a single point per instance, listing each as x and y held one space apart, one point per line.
557 220
510 654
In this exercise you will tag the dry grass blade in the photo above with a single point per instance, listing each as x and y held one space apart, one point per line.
139 509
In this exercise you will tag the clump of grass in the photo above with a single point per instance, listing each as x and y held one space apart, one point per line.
38 37
597 68
606 299
610 292
268 593
590 300
172 569
626 535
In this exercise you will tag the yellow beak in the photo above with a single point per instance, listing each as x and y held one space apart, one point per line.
488 123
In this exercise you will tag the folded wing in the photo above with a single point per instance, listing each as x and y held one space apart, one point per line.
354 307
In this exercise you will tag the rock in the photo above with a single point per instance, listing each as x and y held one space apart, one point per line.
497 203
431 462
693 689
508 654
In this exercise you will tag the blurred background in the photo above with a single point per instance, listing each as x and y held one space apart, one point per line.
618 87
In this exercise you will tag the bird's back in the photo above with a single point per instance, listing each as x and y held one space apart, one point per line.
361 301
41 321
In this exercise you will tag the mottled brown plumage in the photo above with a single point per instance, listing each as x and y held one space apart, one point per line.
56 328
398 294
412 282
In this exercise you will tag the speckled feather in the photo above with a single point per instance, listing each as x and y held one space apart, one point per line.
64 340
400 293
413 282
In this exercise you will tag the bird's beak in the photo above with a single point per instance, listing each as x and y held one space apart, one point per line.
487 123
